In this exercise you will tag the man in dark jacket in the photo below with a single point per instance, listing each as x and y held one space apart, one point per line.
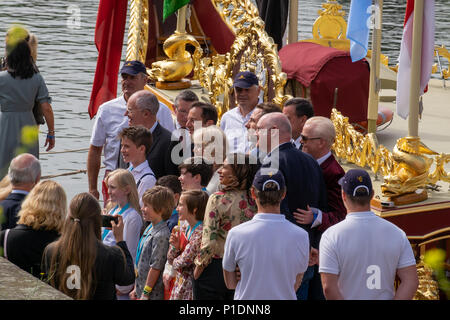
24 173
142 108
304 180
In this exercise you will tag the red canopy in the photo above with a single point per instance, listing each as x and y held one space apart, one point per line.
322 69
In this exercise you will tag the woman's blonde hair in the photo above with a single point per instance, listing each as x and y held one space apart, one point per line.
45 207
125 180
5 188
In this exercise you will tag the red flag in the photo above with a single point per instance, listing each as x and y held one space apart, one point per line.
109 32
404 70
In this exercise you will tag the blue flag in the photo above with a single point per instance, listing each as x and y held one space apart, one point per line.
358 28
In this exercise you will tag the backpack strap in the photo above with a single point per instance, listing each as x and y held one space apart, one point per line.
4 244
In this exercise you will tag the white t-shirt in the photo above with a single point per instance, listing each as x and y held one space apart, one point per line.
233 125
270 252
111 120
365 251
147 181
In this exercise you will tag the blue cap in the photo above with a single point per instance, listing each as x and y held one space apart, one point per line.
356 182
245 79
133 67
265 175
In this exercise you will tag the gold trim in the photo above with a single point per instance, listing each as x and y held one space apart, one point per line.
411 210
422 244
138 31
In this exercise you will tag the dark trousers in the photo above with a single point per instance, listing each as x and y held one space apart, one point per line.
211 285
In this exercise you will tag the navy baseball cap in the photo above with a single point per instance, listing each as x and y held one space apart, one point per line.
265 175
133 67
356 182
245 79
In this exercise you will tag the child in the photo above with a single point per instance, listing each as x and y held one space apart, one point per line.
136 143
195 174
191 208
172 182
123 201
154 244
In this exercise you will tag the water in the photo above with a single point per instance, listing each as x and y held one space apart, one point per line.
67 59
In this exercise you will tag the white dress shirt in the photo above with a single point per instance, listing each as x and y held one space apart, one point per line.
147 182
233 124
111 120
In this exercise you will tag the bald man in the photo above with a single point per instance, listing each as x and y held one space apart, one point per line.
24 173
304 179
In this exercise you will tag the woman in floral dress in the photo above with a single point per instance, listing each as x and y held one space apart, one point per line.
227 208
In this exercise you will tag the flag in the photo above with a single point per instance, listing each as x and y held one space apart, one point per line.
170 6
404 68
109 32
358 28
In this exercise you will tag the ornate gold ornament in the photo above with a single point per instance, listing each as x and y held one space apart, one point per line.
237 14
138 31
253 50
180 62
428 287
442 52
405 170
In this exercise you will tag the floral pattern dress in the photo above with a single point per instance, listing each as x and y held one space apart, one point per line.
183 264
223 211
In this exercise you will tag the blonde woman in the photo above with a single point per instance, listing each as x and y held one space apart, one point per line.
101 267
40 222
124 201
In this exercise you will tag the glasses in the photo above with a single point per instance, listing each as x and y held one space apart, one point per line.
306 139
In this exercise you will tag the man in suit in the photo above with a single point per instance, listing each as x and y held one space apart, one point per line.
304 179
317 137
142 108
24 173
298 110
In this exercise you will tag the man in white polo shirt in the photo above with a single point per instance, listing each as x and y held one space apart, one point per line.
271 252
360 256
111 119
246 92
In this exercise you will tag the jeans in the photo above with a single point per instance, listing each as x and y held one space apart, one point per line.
302 292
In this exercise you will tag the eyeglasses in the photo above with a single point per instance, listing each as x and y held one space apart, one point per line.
305 139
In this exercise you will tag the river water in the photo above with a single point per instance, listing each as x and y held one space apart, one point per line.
67 60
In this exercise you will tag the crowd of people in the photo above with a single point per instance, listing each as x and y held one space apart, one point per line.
256 207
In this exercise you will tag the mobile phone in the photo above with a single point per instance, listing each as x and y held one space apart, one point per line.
106 221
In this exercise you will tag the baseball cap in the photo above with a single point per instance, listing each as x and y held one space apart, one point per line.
265 175
245 79
356 182
133 67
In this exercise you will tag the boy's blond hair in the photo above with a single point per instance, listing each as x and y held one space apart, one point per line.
161 199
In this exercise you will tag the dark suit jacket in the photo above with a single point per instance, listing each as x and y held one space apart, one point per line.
11 207
25 246
159 159
332 172
304 182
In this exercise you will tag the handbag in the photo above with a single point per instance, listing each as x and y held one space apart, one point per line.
38 114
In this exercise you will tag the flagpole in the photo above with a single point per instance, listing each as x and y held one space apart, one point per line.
416 59
181 20
374 86
293 21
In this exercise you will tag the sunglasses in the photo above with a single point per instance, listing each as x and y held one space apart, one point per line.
305 138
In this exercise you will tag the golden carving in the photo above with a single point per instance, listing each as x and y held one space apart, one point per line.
443 53
180 62
404 170
138 31
412 170
252 50
428 288
236 13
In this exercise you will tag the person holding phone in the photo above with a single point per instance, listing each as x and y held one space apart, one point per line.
95 267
